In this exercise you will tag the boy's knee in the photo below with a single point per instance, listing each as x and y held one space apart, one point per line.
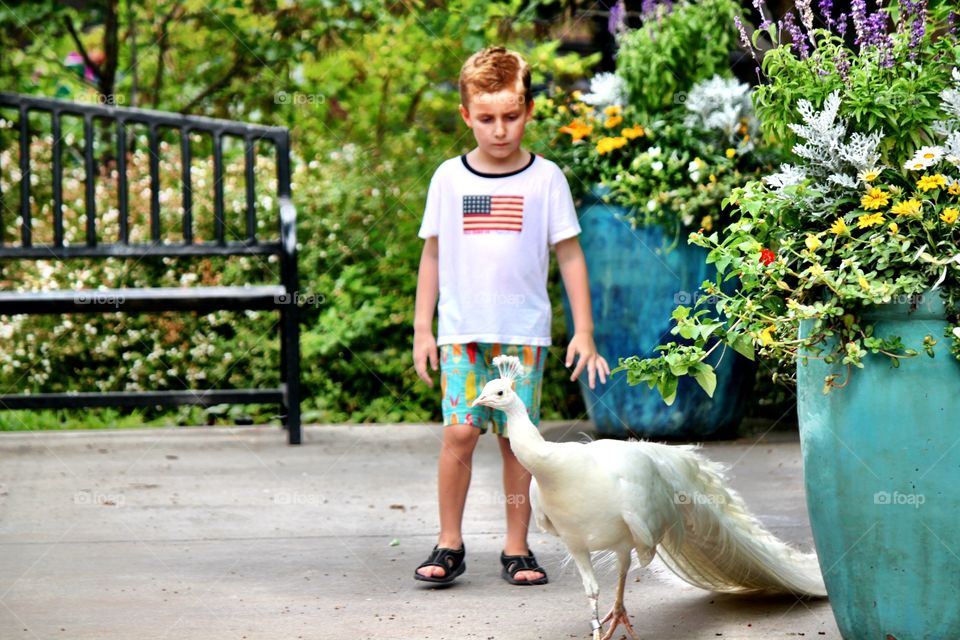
460 437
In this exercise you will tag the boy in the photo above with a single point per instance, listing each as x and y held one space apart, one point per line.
490 218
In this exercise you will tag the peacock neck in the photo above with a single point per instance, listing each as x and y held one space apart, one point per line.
525 440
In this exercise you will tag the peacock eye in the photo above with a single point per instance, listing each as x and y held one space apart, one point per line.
499 393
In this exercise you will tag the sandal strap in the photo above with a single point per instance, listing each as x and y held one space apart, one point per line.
515 564
440 556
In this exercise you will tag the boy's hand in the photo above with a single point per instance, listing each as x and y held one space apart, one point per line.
424 349
582 345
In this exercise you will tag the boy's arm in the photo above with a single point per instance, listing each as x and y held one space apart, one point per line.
428 287
573 269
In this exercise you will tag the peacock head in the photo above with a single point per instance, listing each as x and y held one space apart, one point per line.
498 393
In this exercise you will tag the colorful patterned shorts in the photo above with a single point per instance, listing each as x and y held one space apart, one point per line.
465 369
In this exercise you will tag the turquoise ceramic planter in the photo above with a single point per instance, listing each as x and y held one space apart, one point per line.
636 281
882 473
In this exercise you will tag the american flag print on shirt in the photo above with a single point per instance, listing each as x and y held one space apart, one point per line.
492 213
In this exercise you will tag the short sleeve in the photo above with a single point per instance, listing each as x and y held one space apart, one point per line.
562 216
430 226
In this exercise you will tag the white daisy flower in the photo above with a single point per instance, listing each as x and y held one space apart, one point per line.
924 157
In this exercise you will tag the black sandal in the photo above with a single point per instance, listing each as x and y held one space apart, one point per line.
514 564
450 560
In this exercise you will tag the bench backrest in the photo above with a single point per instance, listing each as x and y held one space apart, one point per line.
120 244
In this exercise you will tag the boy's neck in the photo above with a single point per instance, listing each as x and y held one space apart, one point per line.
485 163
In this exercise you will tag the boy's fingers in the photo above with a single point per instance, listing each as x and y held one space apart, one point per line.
581 363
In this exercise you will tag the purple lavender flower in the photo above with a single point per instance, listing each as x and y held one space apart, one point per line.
843 64
798 43
764 23
806 14
858 8
744 39
826 9
918 12
617 21
842 25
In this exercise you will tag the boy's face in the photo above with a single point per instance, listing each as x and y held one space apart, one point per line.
498 121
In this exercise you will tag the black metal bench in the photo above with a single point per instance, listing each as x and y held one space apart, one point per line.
281 297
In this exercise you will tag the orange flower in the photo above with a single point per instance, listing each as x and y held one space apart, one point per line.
577 130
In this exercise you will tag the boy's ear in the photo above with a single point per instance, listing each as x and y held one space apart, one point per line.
465 114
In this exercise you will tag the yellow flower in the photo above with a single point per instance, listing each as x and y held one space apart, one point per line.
870 175
949 215
928 183
863 283
606 145
954 188
636 131
613 122
577 130
612 110
839 227
894 228
875 199
731 152
869 220
766 336
812 242
911 207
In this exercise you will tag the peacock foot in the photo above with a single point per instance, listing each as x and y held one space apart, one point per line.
616 617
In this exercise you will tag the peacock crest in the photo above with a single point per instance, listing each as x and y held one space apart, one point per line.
509 367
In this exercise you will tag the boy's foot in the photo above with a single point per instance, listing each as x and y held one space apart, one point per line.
522 569
442 566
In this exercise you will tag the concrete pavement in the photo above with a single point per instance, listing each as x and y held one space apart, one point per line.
229 533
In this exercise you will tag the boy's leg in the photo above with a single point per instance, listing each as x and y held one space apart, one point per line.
459 381
454 471
516 479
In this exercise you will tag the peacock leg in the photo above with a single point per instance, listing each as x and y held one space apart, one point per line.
590 586
618 614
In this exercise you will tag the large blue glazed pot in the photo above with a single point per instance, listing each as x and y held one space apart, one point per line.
637 278
882 472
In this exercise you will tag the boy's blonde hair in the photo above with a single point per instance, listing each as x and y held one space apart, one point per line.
494 69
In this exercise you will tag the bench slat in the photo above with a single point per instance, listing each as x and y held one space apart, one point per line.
202 397
151 299
51 252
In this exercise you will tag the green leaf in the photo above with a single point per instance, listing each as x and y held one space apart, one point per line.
706 377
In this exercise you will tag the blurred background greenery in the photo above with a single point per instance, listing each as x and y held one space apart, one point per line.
368 90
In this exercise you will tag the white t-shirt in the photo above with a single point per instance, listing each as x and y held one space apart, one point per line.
494 236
